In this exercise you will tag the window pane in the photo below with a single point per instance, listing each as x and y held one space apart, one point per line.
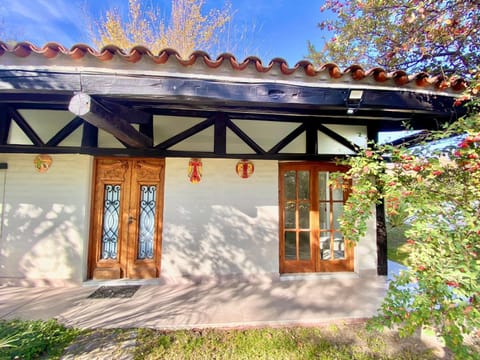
337 190
304 185
324 214
323 188
325 246
305 245
146 223
290 245
111 224
290 215
289 185
338 246
337 214
304 210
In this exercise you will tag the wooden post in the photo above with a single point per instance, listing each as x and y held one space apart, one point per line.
220 137
382 259
84 106
5 122
311 138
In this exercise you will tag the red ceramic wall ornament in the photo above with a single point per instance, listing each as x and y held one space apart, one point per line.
42 163
245 168
195 170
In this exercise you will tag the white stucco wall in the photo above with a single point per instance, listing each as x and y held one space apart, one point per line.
222 225
226 225
366 249
45 220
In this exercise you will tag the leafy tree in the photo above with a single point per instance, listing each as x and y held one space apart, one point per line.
412 35
187 29
440 192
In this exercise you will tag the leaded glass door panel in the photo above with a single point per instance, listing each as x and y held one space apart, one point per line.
126 218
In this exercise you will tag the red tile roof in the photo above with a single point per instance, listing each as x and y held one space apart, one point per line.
400 78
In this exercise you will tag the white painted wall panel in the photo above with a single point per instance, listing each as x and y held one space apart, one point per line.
45 220
227 225
222 225
366 249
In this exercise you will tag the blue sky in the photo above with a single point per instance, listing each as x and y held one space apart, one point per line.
283 27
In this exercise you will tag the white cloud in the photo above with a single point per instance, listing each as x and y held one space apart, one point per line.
41 21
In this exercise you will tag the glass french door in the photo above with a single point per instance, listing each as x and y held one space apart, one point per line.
310 209
126 218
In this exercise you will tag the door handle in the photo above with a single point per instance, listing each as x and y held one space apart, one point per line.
131 219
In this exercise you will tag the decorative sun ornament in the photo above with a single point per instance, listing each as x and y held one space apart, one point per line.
245 168
195 170
42 163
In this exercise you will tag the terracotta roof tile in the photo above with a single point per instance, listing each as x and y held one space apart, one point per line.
356 72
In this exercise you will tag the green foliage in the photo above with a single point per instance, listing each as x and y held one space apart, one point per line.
34 339
440 193
398 249
402 34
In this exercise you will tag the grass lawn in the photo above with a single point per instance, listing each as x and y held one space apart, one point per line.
351 341
34 339
397 248
48 340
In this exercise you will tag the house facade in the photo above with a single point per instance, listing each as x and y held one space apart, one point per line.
136 165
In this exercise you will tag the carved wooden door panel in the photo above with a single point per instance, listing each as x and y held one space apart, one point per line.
126 218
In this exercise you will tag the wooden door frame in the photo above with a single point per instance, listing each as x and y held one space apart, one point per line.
315 264
125 250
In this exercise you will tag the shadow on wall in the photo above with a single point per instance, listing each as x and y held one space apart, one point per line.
41 244
220 240
224 225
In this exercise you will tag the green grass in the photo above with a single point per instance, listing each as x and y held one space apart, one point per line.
48 340
333 342
34 339
397 249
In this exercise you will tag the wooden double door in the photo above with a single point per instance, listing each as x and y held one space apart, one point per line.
126 225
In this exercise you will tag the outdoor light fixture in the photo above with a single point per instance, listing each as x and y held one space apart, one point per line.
353 101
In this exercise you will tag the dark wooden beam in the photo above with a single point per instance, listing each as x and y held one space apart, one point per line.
141 88
40 81
244 137
89 136
131 115
36 98
73 125
5 122
287 139
338 138
382 248
220 134
311 138
186 134
152 152
146 128
112 121
26 128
